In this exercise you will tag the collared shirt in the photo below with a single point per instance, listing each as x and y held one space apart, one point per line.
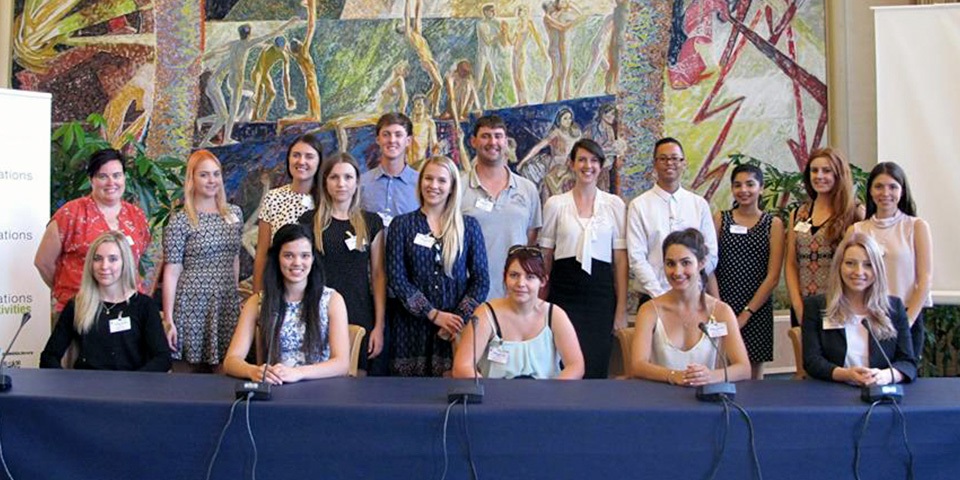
504 220
389 196
585 239
654 215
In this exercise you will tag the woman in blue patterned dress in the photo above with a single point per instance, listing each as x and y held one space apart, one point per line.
750 244
302 323
201 247
437 266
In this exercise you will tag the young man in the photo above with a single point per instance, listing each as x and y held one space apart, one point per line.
665 208
506 204
390 189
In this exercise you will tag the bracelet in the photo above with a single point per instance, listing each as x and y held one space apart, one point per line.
435 315
670 377
748 309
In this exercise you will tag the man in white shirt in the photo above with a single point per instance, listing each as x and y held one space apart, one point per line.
506 205
665 208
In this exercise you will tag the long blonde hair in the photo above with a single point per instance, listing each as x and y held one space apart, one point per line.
875 297
87 303
323 215
196 158
451 220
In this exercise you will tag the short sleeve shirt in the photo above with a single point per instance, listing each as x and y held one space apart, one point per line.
282 206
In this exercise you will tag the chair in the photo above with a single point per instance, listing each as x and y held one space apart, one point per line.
796 338
625 338
356 333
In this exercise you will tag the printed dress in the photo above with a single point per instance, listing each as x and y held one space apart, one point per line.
206 305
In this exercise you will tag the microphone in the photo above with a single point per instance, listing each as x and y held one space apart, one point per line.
6 383
467 392
716 392
873 393
261 389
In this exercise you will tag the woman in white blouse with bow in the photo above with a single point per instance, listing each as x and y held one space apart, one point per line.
584 242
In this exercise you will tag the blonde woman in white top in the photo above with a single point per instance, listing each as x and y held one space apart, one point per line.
584 242
669 345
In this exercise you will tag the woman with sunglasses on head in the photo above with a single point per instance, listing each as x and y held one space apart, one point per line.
845 330
113 326
816 227
201 247
671 342
284 205
520 335
351 246
584 248
905 243
300 323
437 267
750 247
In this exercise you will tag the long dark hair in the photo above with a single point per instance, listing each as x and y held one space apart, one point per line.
693 240
905 204
273 304
313 142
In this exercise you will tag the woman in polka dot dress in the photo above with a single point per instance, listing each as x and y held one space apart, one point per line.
750 244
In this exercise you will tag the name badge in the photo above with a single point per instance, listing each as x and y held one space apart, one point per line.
129 240
498 355
484 204
802 227
231 219
306 201
119 324
351 241
829 323
716 329
424 240
386 218
738 229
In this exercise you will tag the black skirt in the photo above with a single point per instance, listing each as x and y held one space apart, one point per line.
590 302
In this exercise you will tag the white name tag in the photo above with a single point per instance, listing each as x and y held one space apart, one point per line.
129 239
424 240
830 324
716 329
738 229
484 204
386 218
119 324
306 201
498 355
231 219
802 227
351 241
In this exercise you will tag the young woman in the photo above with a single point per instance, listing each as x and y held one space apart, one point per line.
300 322
750 245
520 335
584 242
351 245
817 226
114 327
842 329
284 205
904 241
66 241
201 247
669 345
437 266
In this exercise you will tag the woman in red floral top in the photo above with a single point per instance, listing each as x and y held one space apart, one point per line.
77 223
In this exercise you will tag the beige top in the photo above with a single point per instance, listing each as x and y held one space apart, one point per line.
895 236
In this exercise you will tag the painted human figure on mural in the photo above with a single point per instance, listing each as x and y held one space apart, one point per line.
693 60
606 50
490 40
551 170
560 16
227 67
264 90
424 137
413 31
523 32
303 58
138 92
605 131
462 99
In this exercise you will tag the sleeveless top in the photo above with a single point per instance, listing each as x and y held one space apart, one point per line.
814 255
896 240
537 357
292 332
667 355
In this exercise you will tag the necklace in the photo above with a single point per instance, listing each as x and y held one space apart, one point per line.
109 309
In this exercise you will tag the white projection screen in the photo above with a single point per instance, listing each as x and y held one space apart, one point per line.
918 122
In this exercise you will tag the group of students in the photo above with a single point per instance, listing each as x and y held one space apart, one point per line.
413 257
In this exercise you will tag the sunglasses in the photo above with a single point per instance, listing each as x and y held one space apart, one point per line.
532 251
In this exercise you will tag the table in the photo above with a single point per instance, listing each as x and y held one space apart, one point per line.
113 425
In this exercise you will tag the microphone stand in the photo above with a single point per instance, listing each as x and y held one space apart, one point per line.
6 383
716 392
261 390
872 393
469 393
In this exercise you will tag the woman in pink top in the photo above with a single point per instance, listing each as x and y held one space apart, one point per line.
904 240
79 222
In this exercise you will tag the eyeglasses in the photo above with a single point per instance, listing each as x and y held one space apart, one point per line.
532 251
666 159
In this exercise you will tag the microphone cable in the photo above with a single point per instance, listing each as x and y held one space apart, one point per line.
863 429
753 443
253 474
4 461
466 432
722 440
446 421
223 433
